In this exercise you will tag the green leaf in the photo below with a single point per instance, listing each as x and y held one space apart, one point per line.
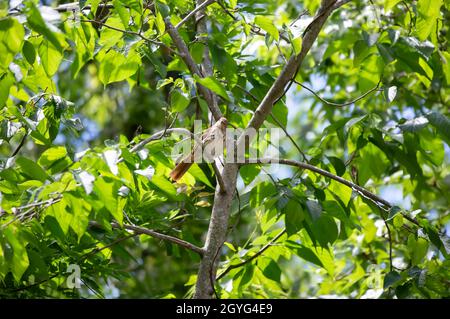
179 101
160 22
37 23
107 192
338 164
224 62
62 215
297 44
115 66
370 72
304 253
20 261
280 112
213 85
267 25
334 209
55 159
414 125
441 123
294 217
11 37
52 155
393 212
199 175
314 208
391 279
32 169
446 66
325 230
398 221
6 81
249 172
29 52
246 276
45 132
417 249
50 57
272 271
164 185
123 12
428 11
389 4
80 210
260 193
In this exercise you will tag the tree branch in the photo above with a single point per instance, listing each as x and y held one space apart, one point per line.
218 224
290 69
96 250
253 28
160 134
193 12
380 202
193 68
142 230
138 34
289 136
376 88
259 253
219 177
207 66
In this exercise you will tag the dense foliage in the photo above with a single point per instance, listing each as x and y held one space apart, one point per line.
82 83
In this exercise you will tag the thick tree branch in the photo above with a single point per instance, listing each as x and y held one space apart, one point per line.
222 201
219 177
152 233
290 69
202 31
193 68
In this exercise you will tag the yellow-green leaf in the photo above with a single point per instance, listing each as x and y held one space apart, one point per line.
267 25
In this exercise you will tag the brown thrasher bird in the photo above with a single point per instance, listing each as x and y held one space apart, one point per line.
213 138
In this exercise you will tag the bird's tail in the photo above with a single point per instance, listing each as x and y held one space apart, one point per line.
181 169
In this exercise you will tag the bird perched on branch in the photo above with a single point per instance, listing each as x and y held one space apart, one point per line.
212 139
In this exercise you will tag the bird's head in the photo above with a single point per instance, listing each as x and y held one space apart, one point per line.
223 122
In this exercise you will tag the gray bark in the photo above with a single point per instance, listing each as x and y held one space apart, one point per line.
222 201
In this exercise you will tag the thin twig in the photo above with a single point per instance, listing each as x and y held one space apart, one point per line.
289 136
159 135
380 202
193 12
259 253
339 104
410 17
155 234
253 28
161 44
390 243
115 242
375 13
